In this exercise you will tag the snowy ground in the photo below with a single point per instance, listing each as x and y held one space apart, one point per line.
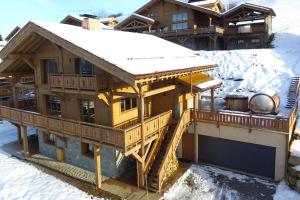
211 183
22 181
250 71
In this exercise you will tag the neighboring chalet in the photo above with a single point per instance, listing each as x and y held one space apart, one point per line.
203 24
105 23
106 99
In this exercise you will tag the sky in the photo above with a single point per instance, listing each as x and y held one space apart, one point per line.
18 12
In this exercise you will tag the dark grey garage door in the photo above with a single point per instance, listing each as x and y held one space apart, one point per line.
250 158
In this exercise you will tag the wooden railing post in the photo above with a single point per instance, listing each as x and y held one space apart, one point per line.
25 142
97 160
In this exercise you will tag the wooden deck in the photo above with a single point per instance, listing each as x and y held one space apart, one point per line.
125 140
245 120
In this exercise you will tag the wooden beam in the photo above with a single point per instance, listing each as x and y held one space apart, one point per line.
159 90
212 92
140 165
19 134
29 62
25 142
125 94
20 55
97 161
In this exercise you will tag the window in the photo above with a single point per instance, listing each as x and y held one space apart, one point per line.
165 29
255 41
83 67
53 105
49 138
180 17
179 26
128 104
240 42
88 111
180 21
245 29
87 149
49 67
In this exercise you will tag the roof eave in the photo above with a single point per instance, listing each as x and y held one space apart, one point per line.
157 76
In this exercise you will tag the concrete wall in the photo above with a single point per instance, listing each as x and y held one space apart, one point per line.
113 163
261 137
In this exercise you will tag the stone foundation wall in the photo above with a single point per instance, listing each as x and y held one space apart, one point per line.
293 176
113 162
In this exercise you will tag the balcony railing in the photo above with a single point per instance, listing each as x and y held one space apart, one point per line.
195 31
245 120
27 79
254 28
77 82
122 139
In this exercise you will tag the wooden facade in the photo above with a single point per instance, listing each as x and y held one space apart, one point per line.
98 103
203 27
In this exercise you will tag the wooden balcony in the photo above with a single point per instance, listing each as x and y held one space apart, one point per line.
196 31
126 140
77 82
255 29
245 120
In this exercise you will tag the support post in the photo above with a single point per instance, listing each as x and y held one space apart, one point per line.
97 161
25 142
195 97
141 177
212 96
19 134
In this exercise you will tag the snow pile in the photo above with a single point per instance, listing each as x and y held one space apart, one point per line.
295 148
283 192
19 180
195 183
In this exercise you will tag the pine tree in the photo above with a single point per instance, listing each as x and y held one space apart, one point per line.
1 39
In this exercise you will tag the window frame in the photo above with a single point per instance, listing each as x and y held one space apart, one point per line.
128 104
49 138
90 116
180 21
87 149
47 72
80 69
52 102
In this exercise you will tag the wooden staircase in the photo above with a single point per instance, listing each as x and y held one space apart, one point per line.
293 94
166 162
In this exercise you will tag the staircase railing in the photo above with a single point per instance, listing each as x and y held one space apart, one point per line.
171 149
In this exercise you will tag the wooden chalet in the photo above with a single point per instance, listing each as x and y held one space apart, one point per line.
203 24
104 100
94 95
248 26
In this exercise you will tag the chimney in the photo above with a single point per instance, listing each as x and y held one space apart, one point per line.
90 22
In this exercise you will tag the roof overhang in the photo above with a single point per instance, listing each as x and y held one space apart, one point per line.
70 17
144 19
254 7
179 3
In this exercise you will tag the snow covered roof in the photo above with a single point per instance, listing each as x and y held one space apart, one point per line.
250 6
130 54
136 16
80 20
180 3
209 84
202 3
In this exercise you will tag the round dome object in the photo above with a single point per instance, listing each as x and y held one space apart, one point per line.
265 102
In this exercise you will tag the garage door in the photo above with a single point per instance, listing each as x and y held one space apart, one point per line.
250 158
